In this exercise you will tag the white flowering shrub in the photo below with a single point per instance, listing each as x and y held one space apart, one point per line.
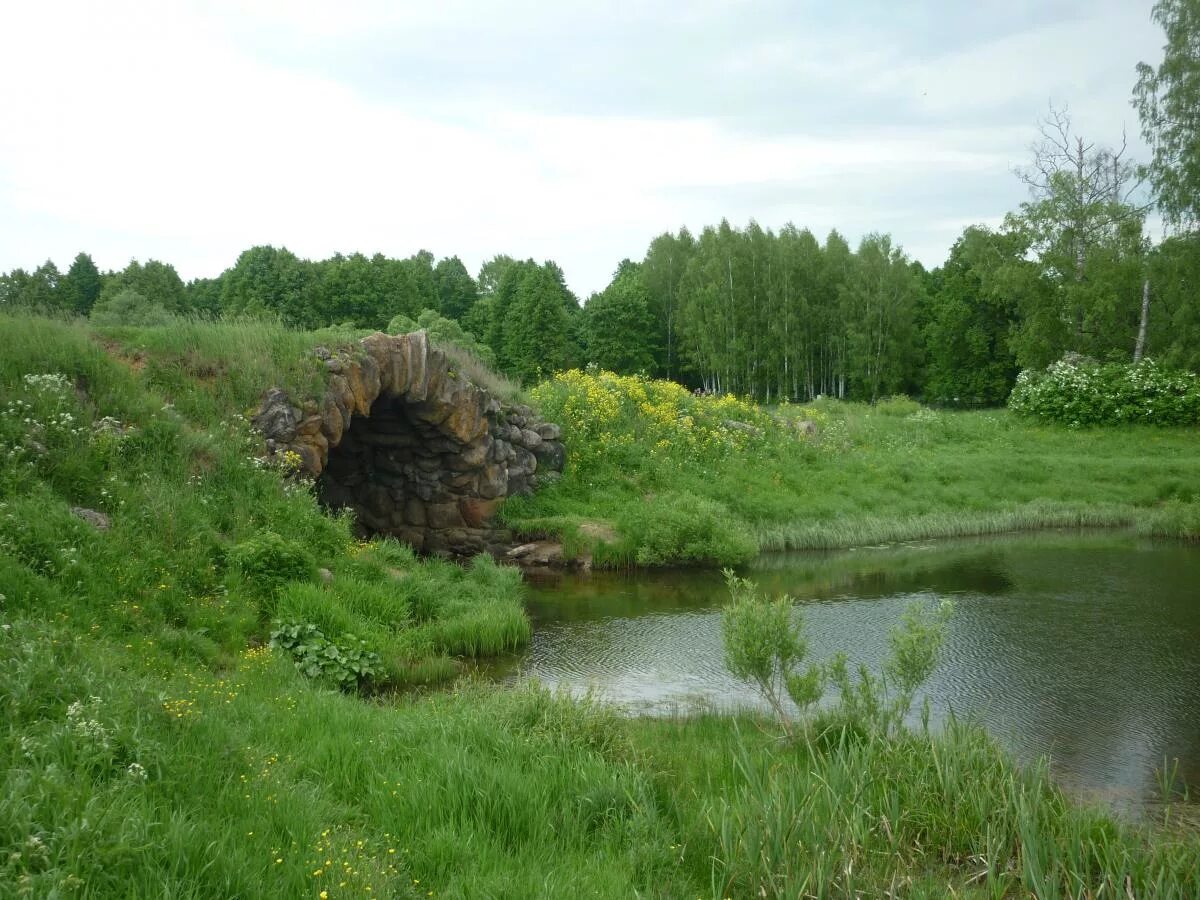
1115 394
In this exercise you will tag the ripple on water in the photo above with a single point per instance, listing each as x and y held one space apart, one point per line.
1083 647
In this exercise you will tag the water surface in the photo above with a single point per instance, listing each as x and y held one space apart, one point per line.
1083 647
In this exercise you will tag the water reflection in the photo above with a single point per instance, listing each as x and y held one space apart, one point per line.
1084 647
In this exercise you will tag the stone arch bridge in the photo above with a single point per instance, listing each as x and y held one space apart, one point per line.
412 446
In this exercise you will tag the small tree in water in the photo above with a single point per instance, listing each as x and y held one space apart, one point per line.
764 643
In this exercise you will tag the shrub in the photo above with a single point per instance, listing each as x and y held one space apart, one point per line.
683 528
267 562
619 420
883 701
764 644
1085 394
899 405
128 307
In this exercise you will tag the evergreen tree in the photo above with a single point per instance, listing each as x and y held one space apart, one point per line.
536 338
80 287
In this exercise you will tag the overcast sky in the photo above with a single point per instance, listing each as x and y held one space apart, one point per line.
189 131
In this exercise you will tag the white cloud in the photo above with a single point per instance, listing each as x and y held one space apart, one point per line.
181 131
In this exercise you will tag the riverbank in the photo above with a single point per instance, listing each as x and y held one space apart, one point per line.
687 480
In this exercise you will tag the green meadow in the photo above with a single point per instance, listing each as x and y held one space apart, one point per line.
163 733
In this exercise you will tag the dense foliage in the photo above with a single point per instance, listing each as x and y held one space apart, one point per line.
1076 394
612 420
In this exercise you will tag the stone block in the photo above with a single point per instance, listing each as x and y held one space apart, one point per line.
414 537
443 515
551 456
414 512
277 419
493 481
477 512
431 411
416 351
370 376
524 464
376 499
461 482
435 543
476 454
332 422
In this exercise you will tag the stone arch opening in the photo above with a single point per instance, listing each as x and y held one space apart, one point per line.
412 446
404 475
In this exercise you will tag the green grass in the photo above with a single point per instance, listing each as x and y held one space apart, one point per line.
846 812
870 475
152 745
250 782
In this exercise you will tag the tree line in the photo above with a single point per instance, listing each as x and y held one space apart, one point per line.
782 314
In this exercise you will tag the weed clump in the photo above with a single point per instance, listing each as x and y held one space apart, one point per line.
267 562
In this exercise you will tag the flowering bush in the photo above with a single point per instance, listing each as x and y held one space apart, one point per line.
606 415
1086 394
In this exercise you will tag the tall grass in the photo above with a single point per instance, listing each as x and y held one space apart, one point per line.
480 373
855 813
947 524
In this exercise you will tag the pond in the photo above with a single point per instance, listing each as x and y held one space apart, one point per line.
1082 647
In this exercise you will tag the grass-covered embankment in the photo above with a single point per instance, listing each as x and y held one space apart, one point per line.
206 546
714 480
153 745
